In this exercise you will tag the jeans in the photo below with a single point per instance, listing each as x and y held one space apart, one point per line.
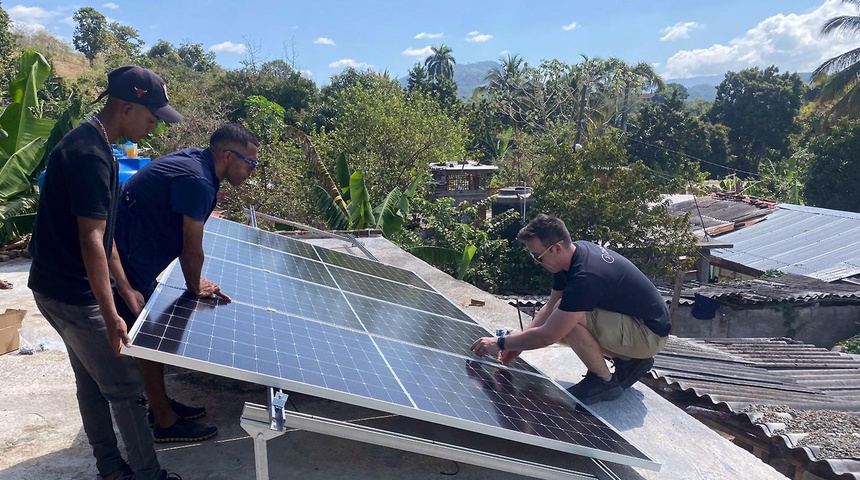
105 383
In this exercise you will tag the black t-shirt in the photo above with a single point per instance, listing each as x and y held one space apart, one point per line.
81 181
601 278
149 231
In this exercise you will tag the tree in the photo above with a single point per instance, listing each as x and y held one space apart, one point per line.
839 77
7 50
656 138
390 135
835 168
125 39
195 58
441 63
759 108
604 198
91 35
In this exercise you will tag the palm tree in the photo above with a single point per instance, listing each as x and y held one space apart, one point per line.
440 64
502 80
839 77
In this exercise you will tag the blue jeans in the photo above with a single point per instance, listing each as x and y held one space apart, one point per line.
105 383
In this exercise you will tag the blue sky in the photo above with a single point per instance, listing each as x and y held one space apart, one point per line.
681 38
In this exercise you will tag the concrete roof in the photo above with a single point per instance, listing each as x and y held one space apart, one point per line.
815 242
41 436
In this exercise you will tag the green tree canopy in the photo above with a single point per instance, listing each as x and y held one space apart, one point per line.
835 168
390 135
759 108
91 35
440 64
839 77
604 200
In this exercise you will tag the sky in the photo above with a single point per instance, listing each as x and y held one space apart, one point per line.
680 38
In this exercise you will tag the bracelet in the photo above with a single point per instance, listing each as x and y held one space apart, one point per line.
500 342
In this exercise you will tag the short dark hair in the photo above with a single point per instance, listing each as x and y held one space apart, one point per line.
234 133
547 228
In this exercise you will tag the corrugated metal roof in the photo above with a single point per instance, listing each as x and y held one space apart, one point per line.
739 372
786 288
736 373
719 213
815 242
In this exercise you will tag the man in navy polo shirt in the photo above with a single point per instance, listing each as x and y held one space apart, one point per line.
161 215
601 306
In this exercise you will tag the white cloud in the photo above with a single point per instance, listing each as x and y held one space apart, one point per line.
348 62
423 35
678 31
791 42
324 41
30 19
570 26
229 47
418 52
478 37
306 73
111 5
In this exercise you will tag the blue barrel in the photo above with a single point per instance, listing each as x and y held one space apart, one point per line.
127 168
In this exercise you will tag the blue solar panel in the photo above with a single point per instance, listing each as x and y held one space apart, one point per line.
361 333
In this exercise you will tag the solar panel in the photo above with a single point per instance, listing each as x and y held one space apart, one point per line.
373 338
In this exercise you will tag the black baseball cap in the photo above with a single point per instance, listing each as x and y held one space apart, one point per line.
142 86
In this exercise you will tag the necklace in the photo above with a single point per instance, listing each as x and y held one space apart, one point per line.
107 139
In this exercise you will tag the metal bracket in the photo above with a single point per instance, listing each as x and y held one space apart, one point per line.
264 424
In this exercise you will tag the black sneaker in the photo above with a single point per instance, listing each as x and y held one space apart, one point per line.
169 476
125 473
593 389
183 431
180 409
630 371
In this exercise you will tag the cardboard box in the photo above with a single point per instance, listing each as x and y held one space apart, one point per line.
10 322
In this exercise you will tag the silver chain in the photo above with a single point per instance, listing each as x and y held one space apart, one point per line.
107 139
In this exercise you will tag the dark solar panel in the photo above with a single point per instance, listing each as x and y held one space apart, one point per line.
256 236
373 268
324 330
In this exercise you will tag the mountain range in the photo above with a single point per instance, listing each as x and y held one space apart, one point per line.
469 76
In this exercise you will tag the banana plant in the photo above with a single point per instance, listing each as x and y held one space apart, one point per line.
351 207
443 256
25 144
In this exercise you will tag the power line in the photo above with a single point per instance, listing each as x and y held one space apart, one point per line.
756 175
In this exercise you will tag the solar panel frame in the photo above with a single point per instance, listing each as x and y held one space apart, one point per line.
377 333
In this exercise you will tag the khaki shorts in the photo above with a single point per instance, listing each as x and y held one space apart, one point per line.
623 334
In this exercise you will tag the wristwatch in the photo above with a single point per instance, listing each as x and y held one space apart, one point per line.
500 342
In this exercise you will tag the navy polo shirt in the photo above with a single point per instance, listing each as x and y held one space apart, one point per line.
153 203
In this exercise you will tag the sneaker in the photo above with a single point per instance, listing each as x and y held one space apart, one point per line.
169 476
630 371
593 389
124 474
180 409
183 431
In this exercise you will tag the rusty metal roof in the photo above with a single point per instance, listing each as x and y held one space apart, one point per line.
720 213
797 289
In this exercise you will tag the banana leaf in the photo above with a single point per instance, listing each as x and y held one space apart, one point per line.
17 120
332 214
468 253
15 173
343 176
389 213
446 256
359 209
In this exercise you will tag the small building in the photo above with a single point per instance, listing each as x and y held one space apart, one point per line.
464 180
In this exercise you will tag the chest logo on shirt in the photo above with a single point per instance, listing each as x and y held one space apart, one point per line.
604 254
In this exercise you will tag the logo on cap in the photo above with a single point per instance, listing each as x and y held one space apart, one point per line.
140 92
164 86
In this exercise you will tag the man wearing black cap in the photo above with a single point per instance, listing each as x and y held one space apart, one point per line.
75 263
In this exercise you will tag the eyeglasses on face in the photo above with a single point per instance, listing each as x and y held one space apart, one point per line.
254 164
537 258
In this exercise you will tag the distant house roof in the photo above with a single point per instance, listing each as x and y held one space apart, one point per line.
791 288
720 213
816 242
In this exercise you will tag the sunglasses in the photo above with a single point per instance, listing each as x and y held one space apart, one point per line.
537 258
254 164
